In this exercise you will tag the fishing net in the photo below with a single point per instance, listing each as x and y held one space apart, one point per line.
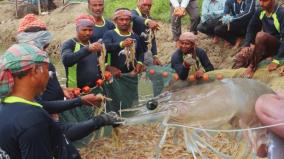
130 92
124 94
272 79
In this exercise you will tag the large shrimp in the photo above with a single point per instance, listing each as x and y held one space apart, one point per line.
129 53
208 106
102 61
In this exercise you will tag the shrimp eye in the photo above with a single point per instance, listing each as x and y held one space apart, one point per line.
152 104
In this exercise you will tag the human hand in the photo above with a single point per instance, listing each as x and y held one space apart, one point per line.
95 47
199 74
127 42
153 25
92 100
282 72
156 61
272 67
68 93
178 12
226 19
246 52
114 71
110 118
139 68
182 11
175 13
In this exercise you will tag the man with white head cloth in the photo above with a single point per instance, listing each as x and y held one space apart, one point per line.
190 59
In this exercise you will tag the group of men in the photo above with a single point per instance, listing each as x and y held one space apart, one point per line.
260 22
31 96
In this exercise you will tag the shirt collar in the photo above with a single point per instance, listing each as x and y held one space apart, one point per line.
118 32
138 11
102 24
14 99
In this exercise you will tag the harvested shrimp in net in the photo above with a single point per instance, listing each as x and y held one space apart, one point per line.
102 61
129 53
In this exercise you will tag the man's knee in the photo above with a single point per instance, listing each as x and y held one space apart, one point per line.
195 19
201 28
261 37
219 30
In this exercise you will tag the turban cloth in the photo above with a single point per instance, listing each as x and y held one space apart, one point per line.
39 39
30 20
84 20
18 58
120 13
188 36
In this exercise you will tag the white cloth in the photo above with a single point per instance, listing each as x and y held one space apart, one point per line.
189 60
38 39
179 3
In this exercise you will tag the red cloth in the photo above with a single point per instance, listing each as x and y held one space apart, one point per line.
120 13
84 19
30 20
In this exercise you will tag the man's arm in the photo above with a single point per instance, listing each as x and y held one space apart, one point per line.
69 58
280 53
60 105
76 131
254 26
109 44
178 66
205 62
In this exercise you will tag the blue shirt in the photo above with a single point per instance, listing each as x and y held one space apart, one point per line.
112 41
140 28
212 10
100 30
87 63
27 132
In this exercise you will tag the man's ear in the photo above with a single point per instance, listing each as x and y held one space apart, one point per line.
32 73
35 71
177 44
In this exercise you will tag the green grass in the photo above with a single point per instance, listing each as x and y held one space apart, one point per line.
160 8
